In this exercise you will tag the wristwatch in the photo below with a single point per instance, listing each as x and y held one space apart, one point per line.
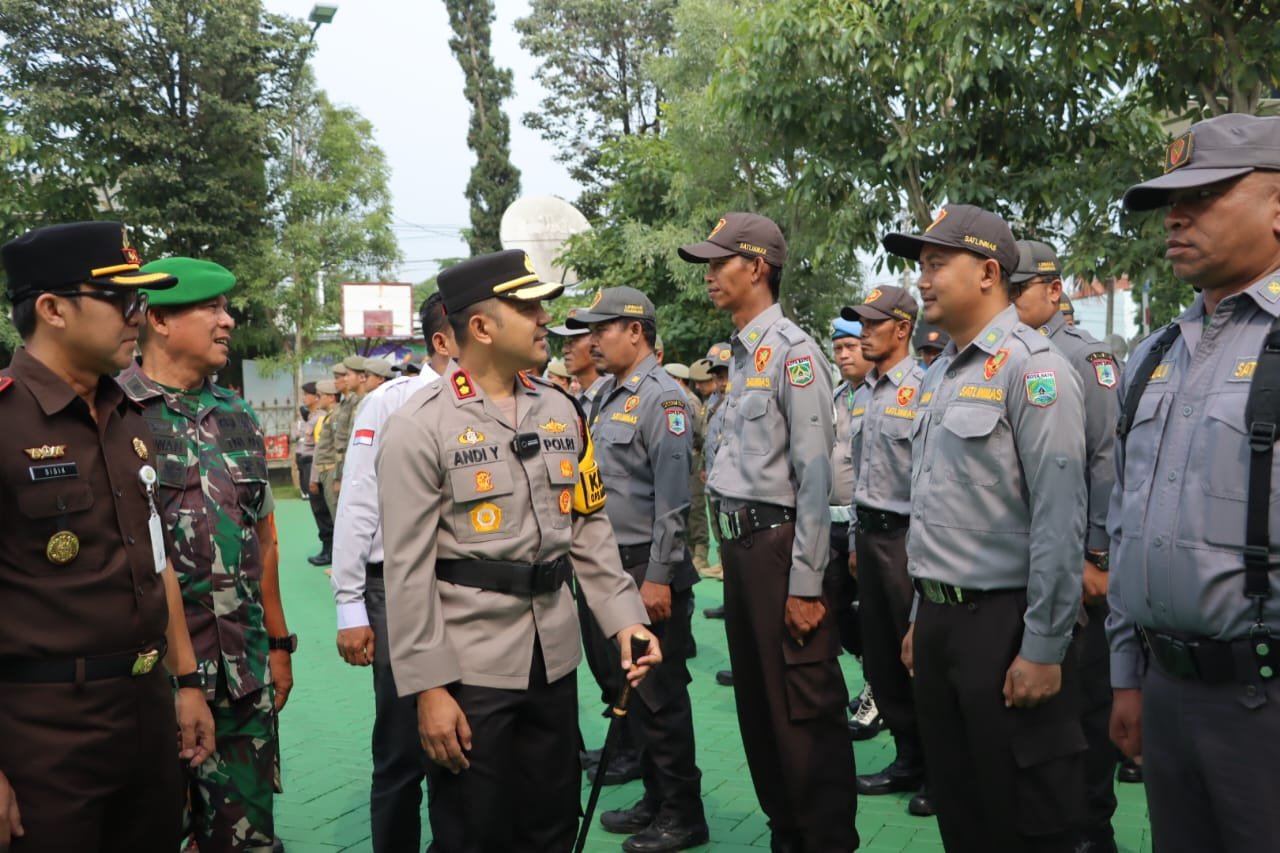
283 644
1101 559
191 679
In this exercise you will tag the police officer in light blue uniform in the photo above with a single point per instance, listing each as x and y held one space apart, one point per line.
1195 613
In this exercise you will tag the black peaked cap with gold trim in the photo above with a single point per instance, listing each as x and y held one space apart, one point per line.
506 275
62 257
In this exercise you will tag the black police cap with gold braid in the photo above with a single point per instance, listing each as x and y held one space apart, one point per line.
506 275
62 257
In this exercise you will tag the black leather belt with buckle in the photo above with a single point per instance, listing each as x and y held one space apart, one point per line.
880 521
506 576
937 592
1213 661
753 518
66 671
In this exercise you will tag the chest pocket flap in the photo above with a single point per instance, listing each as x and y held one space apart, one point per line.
971 421
46 500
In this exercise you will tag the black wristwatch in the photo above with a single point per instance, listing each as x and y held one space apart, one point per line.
191 679
1101 559
283 644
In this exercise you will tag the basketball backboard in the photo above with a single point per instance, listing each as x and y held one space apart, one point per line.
377 310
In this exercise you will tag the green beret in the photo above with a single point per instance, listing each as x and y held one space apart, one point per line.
197 281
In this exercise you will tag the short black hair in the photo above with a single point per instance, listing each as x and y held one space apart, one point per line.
433 319
649 329
23 314
775 281
459 320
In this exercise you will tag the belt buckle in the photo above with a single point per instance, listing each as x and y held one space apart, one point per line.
145 662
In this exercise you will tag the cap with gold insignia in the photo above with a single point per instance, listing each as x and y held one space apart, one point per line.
354 363
700 371
883 303
1217 149
1035 259
327 386
505 275
929 336
748 234
960 226
379 367
62 257
197 281
720 355
614 303
1065 306
565 332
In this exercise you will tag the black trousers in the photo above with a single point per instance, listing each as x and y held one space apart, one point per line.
661 718
399 761
605 663
842 589
94 766
1008 779
319 509
790 701
1211 763
884 609
1095 695
521 791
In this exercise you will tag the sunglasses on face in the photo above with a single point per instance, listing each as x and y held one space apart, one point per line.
130 302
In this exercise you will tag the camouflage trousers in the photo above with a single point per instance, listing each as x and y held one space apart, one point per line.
327 492
230 795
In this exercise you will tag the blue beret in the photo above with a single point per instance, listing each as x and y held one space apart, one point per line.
846 328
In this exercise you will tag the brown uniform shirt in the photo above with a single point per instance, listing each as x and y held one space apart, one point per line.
84 482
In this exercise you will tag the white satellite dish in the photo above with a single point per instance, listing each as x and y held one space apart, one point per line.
539 224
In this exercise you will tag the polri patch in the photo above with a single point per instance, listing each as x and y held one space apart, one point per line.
59 471
800 371
1042 387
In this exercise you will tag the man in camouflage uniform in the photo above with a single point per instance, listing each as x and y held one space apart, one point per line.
215 499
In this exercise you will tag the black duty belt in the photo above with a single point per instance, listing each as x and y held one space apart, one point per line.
753 518
937 592
1213 661
880 521
373 570
505 576
634 555
69 670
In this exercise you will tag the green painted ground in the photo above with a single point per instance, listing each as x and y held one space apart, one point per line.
325 737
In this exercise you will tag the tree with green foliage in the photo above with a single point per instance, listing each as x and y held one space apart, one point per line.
595 62
495 181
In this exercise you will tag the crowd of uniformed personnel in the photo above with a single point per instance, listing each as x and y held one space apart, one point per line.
1039 554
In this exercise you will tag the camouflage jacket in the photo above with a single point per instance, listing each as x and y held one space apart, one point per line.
343 417
211 458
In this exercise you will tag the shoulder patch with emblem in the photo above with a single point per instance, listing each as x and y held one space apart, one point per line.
800 371
1104 368
763 354
677 421
1042 387
994 363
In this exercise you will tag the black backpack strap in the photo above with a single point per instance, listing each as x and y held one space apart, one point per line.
1141 377
1262 417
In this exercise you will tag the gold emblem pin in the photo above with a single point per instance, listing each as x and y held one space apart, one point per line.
62 548
140 449
47 451
471 436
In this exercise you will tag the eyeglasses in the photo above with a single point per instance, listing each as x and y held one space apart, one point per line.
131 302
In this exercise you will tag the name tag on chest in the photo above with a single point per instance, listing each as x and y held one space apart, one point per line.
62 471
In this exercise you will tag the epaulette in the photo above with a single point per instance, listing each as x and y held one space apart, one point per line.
791 333
1034 341
530 379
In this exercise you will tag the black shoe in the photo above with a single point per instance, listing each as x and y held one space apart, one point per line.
629 821
785 842
714 612
921 804
667 833
321 559
693 649
1129 771
622 769
894 779
277 846
725 677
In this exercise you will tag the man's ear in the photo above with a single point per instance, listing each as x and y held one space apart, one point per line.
51 310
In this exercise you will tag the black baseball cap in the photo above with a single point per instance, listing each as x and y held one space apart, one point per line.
929 336
565 331
58 257
613 303
1035 259
960 226
748 234
1213 150
883 303
506 275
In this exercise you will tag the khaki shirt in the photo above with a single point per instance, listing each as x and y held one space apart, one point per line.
450 487
998 480
343 417
777 436
1099 376
1177 516
644 444
884 409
